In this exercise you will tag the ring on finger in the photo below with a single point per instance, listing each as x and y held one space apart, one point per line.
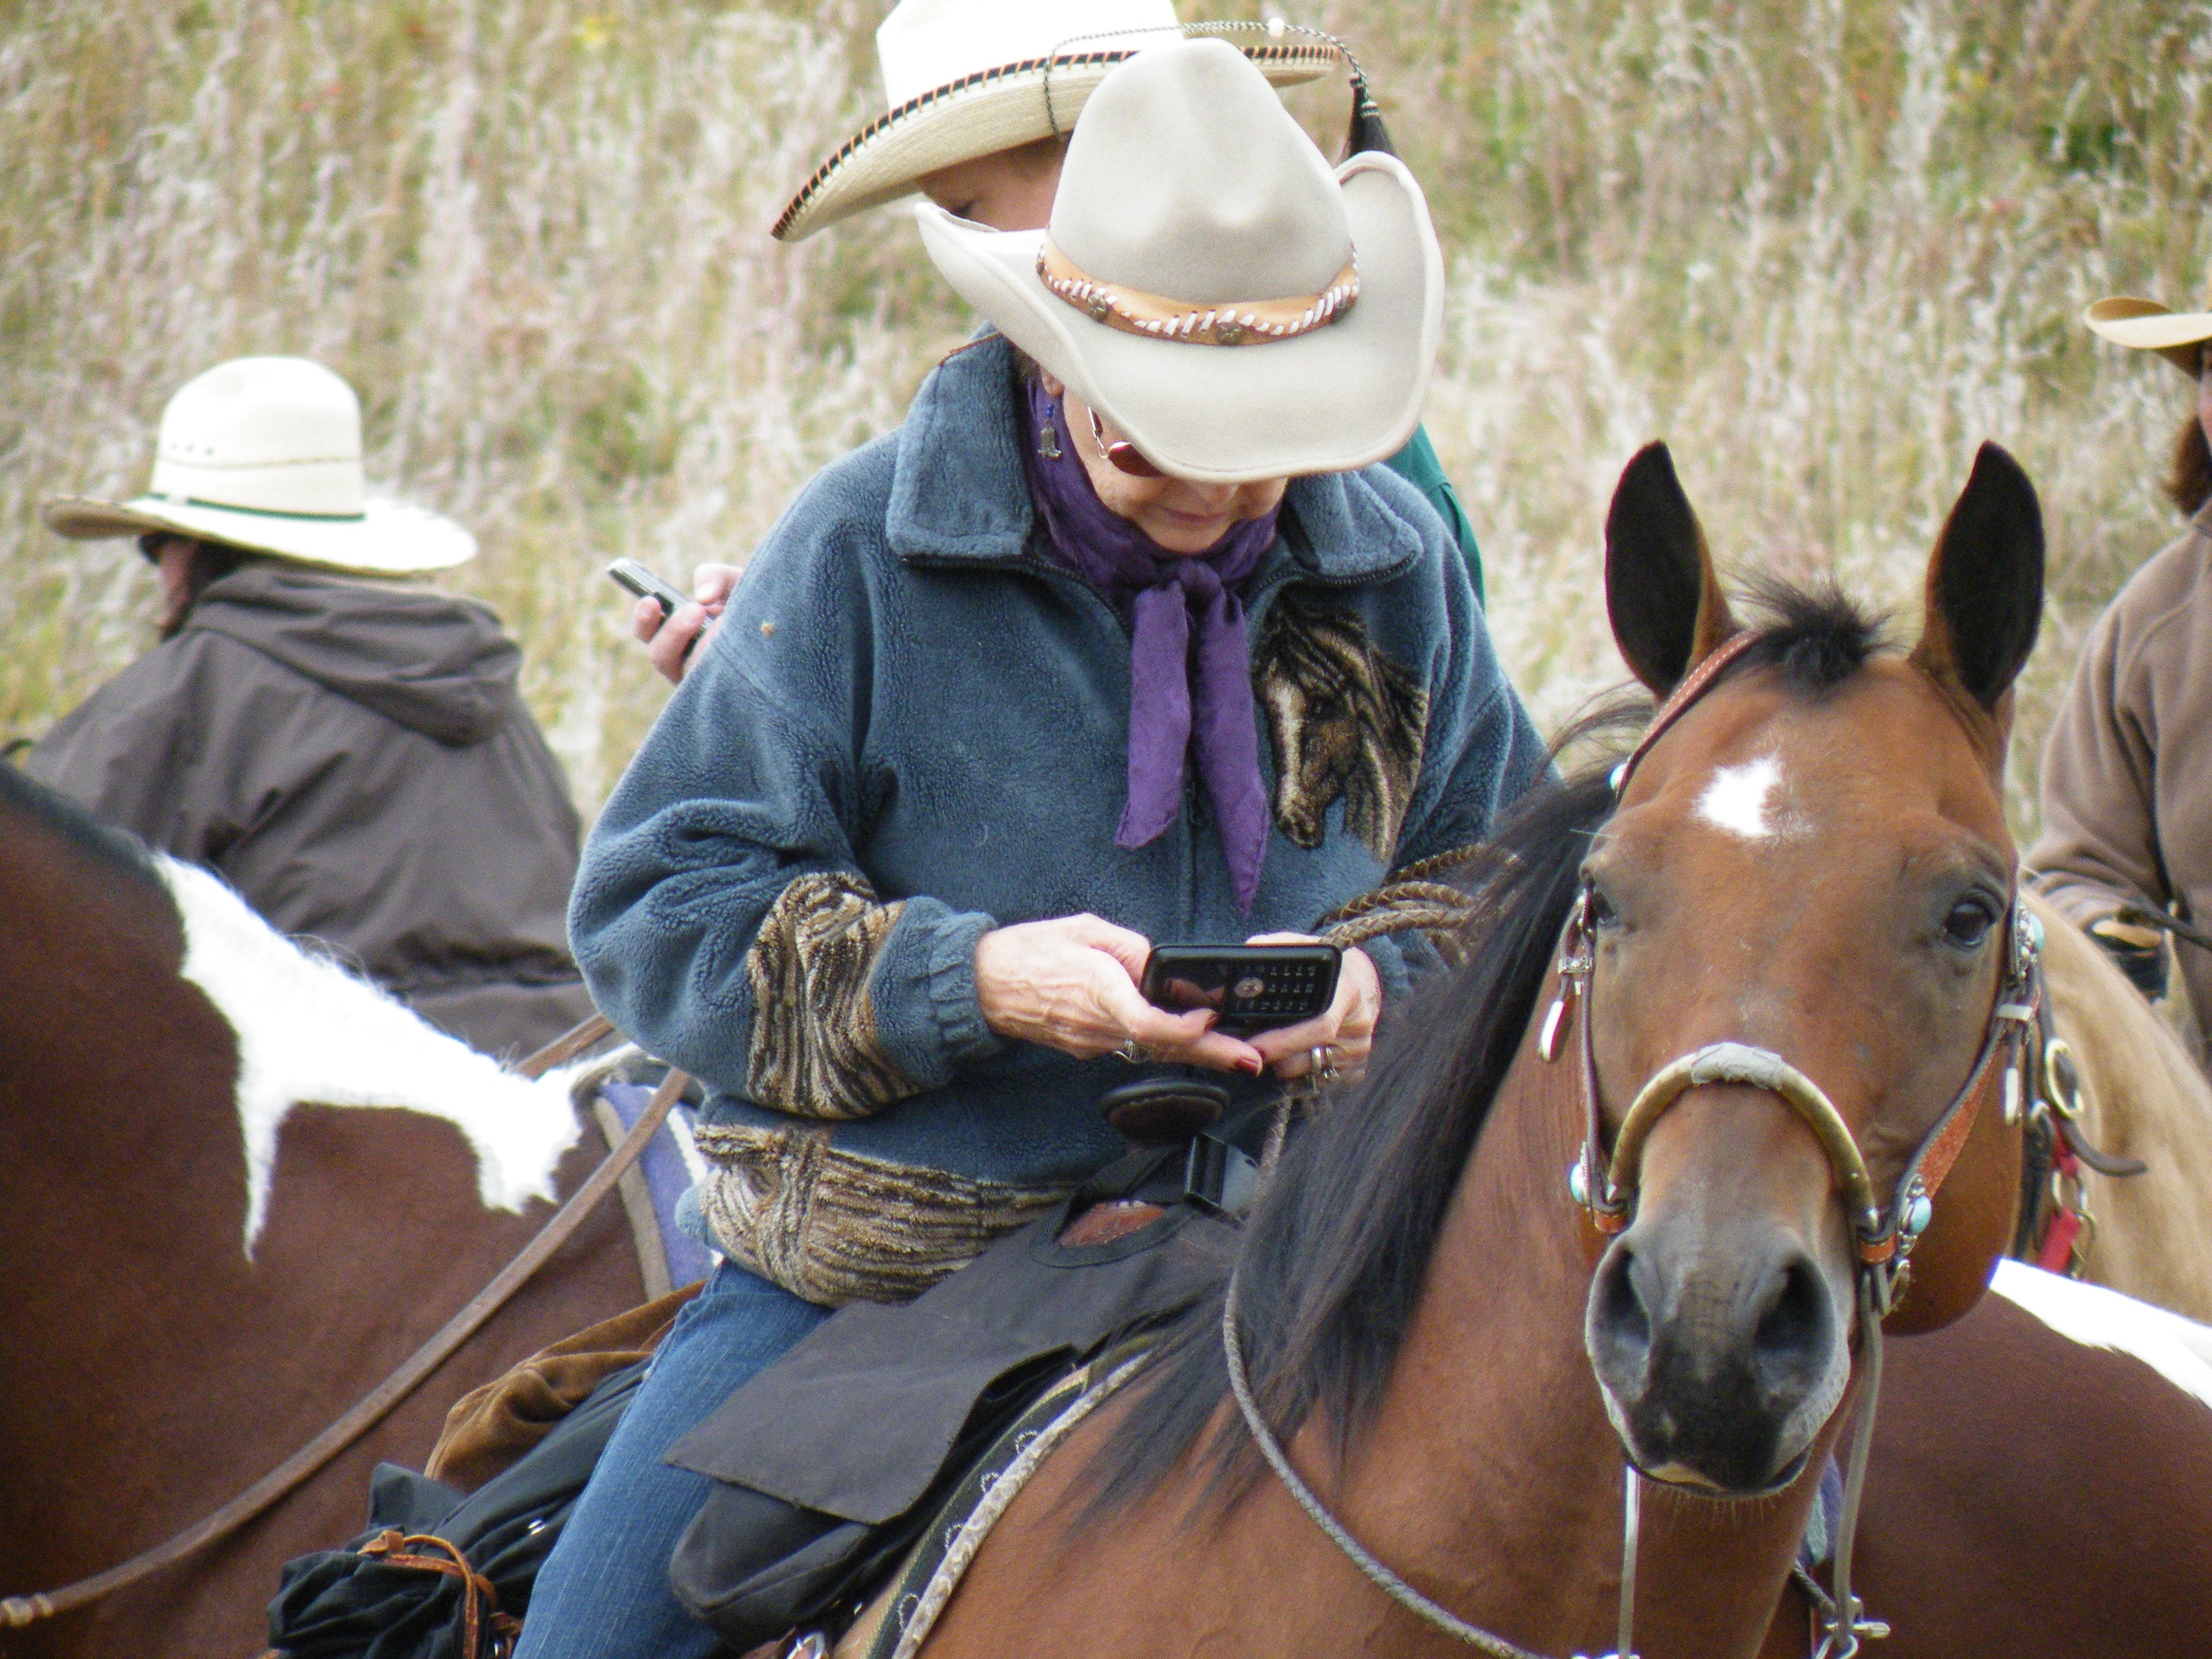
1130 1052
1322 1061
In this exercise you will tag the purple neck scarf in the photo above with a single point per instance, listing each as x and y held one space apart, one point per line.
1190 669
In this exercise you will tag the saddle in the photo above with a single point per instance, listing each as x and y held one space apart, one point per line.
832 1460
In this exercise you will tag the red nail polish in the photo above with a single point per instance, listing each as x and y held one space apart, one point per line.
1252 1067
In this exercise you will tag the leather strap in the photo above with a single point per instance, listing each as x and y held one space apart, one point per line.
1717 662
479 1598
566 1047
17 1611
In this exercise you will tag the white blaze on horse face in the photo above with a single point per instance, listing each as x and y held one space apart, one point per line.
2179 1350
1740 799
309 1031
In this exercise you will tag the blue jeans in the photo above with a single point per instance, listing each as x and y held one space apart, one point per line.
603 1593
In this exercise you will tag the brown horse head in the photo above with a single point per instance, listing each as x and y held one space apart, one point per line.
1811 861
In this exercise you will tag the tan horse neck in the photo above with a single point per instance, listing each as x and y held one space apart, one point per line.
1491 1479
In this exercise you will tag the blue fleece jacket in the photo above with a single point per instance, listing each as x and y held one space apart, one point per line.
911 727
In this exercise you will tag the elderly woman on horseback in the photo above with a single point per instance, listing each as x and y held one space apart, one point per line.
1123 637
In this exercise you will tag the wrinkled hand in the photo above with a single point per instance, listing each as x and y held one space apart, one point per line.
669 641
1071 984
1347 1025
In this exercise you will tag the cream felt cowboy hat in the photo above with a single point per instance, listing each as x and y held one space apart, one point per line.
964 78
2146 325
265 453
1208 284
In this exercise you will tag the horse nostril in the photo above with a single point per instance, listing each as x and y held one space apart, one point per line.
1619 1324
1791 1341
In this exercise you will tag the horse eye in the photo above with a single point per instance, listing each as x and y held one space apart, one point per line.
1969 923
1601 913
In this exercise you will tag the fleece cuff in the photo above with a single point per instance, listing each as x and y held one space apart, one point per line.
927 1015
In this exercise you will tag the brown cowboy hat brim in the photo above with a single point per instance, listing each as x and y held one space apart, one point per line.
2146 325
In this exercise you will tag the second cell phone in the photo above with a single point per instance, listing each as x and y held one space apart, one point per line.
648 586
1254 988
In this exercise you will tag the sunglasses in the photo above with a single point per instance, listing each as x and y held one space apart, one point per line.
1121 454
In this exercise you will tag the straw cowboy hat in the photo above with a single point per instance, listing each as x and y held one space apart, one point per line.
1210 284
964 78
2146 325
265 453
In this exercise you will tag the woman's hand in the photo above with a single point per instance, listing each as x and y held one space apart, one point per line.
669 639
1346 1027
1071 984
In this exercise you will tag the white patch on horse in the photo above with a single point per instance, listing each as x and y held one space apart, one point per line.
308 1032
1738 798
2179 1350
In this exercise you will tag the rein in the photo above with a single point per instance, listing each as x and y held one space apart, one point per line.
1883 1235
18 1612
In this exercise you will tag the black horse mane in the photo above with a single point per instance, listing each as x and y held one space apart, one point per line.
116 848
1334 1256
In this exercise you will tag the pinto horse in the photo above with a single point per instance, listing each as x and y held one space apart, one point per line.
201 1271
1458 1356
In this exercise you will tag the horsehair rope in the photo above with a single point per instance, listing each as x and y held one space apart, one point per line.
1413 898
1381 1577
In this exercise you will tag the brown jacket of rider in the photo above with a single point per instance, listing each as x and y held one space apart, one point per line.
2127 773
353 757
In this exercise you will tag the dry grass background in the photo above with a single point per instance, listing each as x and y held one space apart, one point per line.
1824 247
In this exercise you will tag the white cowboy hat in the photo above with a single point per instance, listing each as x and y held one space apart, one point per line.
964 78
1239 309
2146 325
265 453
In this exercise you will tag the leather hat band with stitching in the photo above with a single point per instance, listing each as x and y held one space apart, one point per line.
1237 322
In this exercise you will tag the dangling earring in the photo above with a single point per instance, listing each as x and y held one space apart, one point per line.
1049 437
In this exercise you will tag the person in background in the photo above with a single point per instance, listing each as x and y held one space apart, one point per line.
975 126
2126 848
348 750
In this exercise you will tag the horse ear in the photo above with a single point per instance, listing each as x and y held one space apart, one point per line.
1986 582
1665 603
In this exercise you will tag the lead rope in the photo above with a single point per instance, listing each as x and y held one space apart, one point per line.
1842 1614
1381 1576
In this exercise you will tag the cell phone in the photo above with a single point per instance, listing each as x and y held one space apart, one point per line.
1254 988
646 585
